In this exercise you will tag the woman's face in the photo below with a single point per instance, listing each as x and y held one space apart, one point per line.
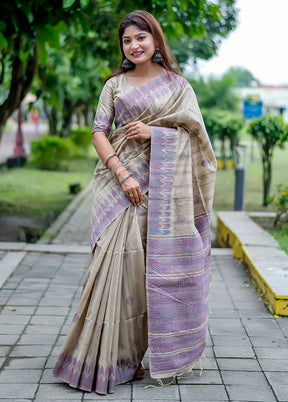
138 45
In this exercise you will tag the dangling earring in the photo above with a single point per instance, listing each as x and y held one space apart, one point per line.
157 56
127 64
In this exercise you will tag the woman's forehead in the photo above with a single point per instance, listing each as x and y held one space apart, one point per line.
133 30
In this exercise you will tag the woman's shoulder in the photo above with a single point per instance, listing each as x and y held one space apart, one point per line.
177 80
114 80
181 79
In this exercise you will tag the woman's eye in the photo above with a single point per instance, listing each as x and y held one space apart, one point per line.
141 37
126 41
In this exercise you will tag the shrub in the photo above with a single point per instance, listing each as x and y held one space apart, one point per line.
270 132
50 152
224 126
279 202
81 136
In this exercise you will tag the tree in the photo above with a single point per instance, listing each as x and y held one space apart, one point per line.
242 76
270 132
224 126
216 93
25 28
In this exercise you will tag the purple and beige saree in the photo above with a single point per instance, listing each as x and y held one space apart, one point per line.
148 279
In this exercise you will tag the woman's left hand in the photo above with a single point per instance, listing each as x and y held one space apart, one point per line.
137 129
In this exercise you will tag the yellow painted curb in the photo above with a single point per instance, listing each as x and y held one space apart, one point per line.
277 304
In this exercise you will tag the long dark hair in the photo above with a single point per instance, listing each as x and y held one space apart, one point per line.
146 22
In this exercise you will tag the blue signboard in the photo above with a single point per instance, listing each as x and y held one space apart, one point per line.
252 109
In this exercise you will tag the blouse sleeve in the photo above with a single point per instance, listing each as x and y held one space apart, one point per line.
105 110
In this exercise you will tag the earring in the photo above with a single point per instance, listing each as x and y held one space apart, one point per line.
157 56
127 64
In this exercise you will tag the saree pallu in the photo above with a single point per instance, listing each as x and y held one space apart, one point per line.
156 255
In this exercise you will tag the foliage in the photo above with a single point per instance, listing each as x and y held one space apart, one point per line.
81 137
84 33
282 237
270 132
242 76
25 29
225 127
279 202
216 93
50 152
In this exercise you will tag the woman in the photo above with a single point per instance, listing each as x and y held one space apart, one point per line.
153 190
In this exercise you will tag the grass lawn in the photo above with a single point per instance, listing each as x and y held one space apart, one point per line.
225 181
32 192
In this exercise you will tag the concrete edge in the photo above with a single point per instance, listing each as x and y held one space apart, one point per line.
227 236
9 263
56 226
45 248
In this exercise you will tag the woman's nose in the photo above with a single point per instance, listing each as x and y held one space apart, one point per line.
134 44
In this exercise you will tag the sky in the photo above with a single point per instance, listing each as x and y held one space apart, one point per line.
259 43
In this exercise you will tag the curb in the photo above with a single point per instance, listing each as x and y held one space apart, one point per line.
259 251
56 226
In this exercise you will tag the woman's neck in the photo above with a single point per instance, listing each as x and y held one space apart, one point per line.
146 70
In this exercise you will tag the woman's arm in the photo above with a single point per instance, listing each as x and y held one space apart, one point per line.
104 149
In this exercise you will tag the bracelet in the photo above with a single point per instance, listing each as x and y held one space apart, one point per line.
108 157
117 164
125 177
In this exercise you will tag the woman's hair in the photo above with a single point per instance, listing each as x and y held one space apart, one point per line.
146 22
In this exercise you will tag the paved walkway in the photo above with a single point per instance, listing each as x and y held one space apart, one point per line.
247 354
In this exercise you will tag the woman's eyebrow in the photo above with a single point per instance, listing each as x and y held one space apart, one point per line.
140 33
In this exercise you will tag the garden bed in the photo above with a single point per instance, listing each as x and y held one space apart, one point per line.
31 199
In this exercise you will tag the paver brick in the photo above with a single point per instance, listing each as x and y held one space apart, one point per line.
203 393
31 351
17 390
272 353
239 364
124 394
250 393
51 392
39 339
20 376
232 351
207 377
244 378
170 392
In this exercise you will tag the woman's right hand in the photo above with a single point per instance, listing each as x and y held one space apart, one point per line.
132 189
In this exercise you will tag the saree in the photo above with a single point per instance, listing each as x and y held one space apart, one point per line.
147 282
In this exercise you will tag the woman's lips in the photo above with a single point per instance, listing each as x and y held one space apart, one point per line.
136 54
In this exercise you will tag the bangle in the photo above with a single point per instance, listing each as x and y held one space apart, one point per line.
120 170
108 157
117 164
125 177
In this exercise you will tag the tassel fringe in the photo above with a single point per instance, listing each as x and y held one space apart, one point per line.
180 377
160 384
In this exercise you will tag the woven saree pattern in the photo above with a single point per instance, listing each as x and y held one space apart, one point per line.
177 269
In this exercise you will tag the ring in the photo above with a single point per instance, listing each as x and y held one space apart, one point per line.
131 195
